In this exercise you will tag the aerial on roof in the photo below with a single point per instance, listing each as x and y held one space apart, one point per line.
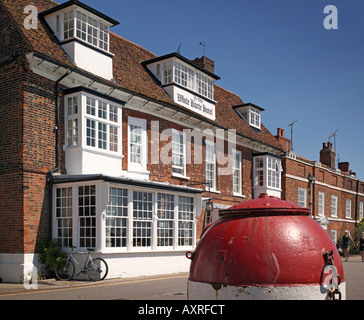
129 67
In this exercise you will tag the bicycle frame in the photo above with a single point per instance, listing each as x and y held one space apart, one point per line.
83 269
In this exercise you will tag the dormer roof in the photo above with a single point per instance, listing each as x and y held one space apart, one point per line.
81 5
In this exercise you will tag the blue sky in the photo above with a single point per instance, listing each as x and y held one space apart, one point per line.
275 54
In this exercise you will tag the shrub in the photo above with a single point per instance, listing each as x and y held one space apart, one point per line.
50 252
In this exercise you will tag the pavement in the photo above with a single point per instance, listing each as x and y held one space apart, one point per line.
353 271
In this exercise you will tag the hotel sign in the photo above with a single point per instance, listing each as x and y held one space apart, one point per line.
193 102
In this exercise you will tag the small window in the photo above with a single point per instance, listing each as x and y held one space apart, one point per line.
178 153
348 209
254 117
334 206
237 188
302 197
137 154
321 204
210 165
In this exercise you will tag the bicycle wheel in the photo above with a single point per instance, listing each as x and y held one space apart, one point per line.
97 269
65 269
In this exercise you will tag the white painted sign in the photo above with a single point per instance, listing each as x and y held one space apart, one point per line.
192 102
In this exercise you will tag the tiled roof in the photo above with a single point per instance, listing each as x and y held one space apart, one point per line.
129 73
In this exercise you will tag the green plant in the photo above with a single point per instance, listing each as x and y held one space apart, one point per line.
49 253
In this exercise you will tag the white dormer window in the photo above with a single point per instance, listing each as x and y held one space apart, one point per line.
87 28
251 114
83 33
254 117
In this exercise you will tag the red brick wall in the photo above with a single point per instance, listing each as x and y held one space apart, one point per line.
328 182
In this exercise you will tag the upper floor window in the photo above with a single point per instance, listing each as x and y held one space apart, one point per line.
137 150
348 209
93 122
174 71
321 204
301 197
210 165
267 172
237 186
178 153
251 113
333 206
87 28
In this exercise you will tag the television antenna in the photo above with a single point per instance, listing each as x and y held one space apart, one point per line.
291 125
204 48
334 135
179 48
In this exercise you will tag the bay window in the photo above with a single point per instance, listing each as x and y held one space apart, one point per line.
267 175
133 219
92 122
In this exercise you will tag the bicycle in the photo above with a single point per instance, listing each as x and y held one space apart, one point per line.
95 268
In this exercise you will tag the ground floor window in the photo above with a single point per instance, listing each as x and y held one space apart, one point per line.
113 217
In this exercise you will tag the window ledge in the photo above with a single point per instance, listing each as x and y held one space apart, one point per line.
212 191
238 195
180 176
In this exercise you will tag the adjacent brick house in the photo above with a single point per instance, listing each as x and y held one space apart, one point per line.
90 119
335 195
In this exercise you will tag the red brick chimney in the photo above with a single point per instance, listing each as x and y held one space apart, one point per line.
285 142
327 155
205 63
343 166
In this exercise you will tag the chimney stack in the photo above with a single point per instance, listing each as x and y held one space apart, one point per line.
327 155
343 166
205 63
285 142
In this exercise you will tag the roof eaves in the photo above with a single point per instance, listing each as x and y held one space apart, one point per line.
82 5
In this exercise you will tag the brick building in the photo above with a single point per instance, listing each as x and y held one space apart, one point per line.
106 145
335 195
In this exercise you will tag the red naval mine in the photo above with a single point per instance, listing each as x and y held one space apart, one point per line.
265 248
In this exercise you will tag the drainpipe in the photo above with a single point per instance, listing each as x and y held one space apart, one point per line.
58 164
50 177
311 180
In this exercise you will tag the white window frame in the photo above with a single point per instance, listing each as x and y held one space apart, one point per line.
321 204
210 159
348 209
142 165
237 170
176 152
115 220
274 169
333 235
180 73
91 30
302 197
109 114
334 206
361 210
254 118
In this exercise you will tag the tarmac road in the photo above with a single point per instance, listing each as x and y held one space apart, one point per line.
162 287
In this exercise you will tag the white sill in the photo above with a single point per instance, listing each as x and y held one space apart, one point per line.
238 195
212 191
180 176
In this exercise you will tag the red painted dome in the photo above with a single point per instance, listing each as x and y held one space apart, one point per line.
266 241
